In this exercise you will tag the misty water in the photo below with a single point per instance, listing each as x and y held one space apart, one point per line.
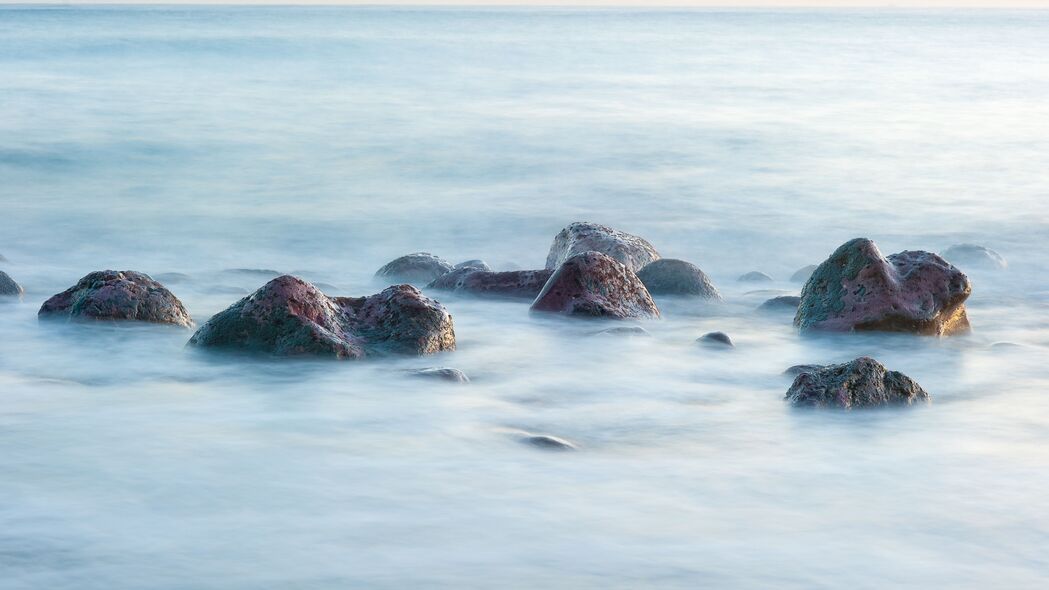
326 142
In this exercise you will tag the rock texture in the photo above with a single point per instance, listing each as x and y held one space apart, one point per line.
754 277
781 303
862 383
796 370
594 285
975 256
668 276
8 286
859 289
715 340
524 284
290 317
418 268
631 251
117 295
802 274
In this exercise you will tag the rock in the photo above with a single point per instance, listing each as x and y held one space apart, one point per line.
117 295
525 284
441 374
975 256
802 274
861 383
668 276
548 442
799 369
628 331
781 303
631 251
8 286
3 258
252 272
290 317
595 285
754 276
473 264
859 289
419 268
716 340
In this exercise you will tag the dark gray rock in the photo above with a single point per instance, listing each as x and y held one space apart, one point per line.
441 374
631 251
715 340
668 276
117 295
524 284
592 284
473 264
975 256
419 268
754 276
861 383
802 274
290 317
859 289
8 286
781 303
548 442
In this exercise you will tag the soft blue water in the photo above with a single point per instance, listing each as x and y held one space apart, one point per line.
328 141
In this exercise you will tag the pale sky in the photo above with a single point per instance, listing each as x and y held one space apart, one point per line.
582 3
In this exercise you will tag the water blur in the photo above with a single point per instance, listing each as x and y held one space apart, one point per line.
326 141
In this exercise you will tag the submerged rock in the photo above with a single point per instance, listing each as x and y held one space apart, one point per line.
861 383
473 264
628 331
975 256
781 303
859 289
668 276
796 370
8 286
117 295
716 340
594 285
441 374
418 268
631 251
753 277
548 442
525 284
802 274
290 317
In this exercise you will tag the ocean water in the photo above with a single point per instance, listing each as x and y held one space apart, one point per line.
327 141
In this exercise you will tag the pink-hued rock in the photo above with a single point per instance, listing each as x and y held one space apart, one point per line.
859 289
631 251
118 295
593 284
861 383
418 268
290 317
525 284
8 286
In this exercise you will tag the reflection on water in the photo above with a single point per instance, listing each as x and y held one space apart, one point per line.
325 142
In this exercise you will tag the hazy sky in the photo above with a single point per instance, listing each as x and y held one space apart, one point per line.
706 3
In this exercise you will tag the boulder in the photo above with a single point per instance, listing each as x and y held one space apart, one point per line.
631 251
802 274
595 285
972 255
796 370
547 442
441 374
525 284
754 277
290 317
473 264
117 295
781 303
623 331
668 276
861 383
859 289
419 268
8 286
715 340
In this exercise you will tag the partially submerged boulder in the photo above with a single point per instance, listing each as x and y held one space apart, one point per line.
715 340
8 286
859 289
802 274
441 374
418 268
547 442
473 264
861 383
594 285
754 276
117 295
976 256
795 370
525 284
781 303
631 251
290 317
669 276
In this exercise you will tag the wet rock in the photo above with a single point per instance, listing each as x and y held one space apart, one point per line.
631 251
117 295
252 272
975 256
548 442
473 264
716 340
781 303
290 317
172 278
802 274
628 331
861 383
441 374
754 276
524 284
799 369
8 286
592 284
418 268
669 276
859 289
